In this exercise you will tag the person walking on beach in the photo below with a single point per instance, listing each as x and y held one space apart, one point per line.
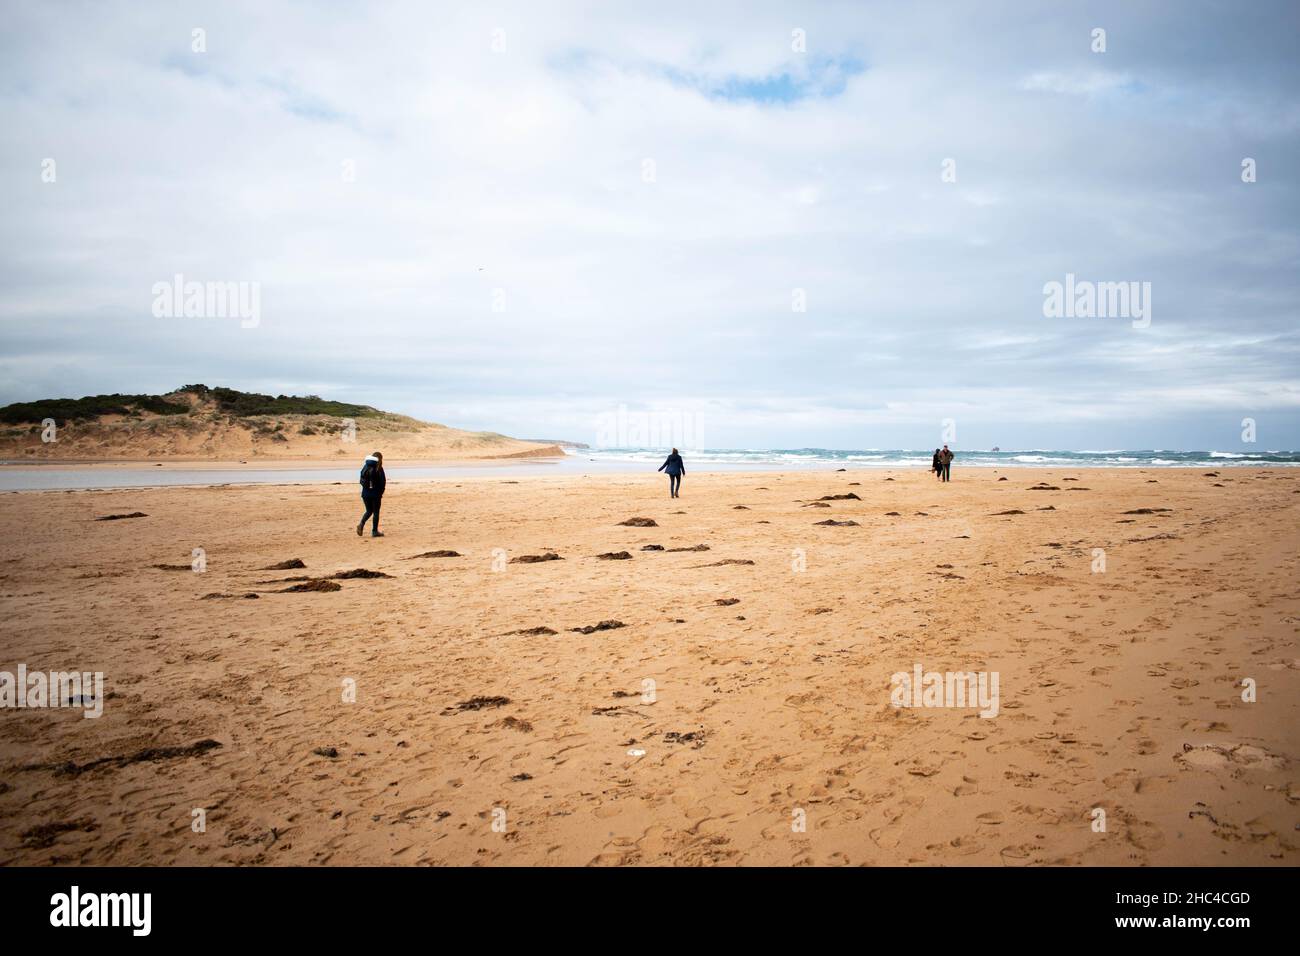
372 493
675 468
936 465
945 459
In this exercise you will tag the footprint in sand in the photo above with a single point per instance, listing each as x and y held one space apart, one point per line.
1151 784
962 846
1214 757
904 806
1019 854
1144 835
884 837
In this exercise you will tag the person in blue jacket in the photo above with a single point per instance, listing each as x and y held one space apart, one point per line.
675 468
372 493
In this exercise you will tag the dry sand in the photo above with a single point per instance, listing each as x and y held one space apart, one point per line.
1118 690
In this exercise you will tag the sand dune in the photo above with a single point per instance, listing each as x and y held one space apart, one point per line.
209 433
691 703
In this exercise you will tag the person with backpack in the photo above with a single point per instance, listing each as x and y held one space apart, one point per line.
372 493
674 467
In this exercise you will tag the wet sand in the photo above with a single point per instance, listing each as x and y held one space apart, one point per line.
487 730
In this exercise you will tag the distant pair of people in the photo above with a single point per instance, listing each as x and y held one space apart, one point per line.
942 463
674 467
373 481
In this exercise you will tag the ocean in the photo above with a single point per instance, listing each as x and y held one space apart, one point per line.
584 461
904 458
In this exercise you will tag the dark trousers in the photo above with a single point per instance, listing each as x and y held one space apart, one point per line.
947 465
674 484
371 501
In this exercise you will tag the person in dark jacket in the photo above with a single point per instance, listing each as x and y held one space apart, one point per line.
372 493
675 468
945 459
936 465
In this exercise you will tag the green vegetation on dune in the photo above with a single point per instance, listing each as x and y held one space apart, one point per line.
228 400
92 406
244 404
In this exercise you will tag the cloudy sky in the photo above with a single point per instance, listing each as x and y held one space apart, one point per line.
521 217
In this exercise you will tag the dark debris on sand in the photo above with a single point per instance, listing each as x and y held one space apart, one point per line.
359 573
695 738
726 602
602 626
312 584
148 755
42 836
435 554
293 564
615 711
652 547
536 558
615 556
540 631
477 703
697 547
848 497
216 595
639 523
133 514
838 524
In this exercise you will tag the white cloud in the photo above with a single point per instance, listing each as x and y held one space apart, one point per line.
524 172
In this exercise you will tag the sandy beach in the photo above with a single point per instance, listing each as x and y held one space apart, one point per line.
738 713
